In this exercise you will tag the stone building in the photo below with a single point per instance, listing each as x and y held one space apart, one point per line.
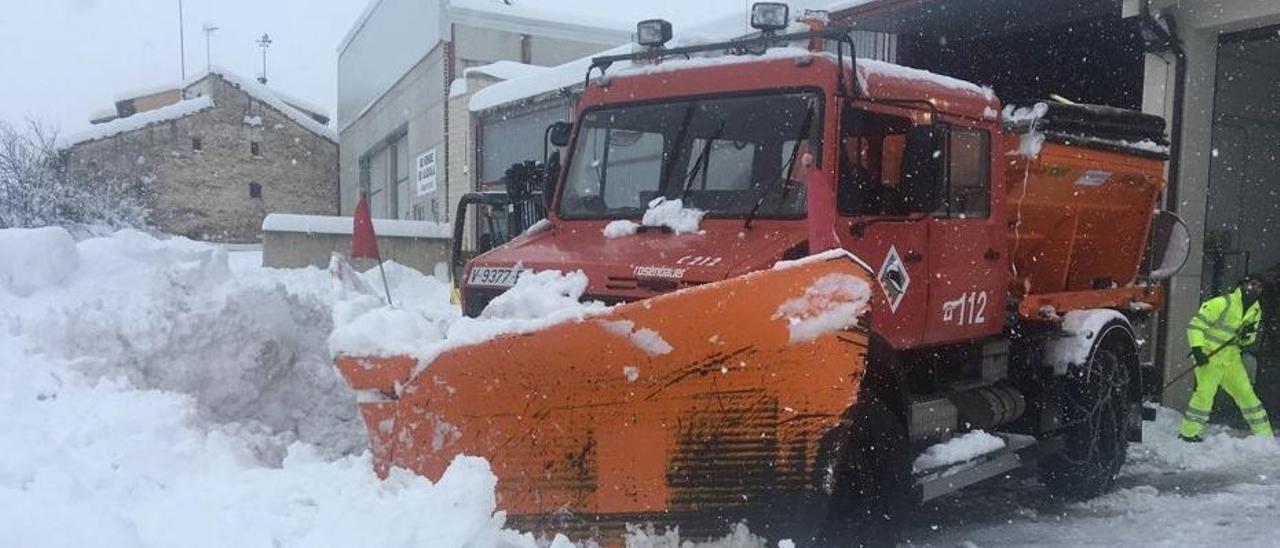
214 155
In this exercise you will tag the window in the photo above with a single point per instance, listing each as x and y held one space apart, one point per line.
196 145
968 174
871 150
722 155
255 190
255 149
400 175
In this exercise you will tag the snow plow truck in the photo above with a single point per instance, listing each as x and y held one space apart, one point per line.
890 291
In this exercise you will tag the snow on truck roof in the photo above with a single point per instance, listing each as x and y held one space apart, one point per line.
872 75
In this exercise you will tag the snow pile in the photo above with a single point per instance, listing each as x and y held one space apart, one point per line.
739 537
181 109
832 303
143 382
249 347
33 258
251 121
644 338
958 449
672 214
620 228
661 213
366 326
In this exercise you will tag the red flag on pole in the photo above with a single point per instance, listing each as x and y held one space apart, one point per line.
364 243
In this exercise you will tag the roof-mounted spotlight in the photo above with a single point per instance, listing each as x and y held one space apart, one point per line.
653 33
770 16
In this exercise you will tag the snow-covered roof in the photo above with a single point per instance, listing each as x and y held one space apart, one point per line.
536 84
505 70
573 74
547 18
326 224
181 109
145 91
271 98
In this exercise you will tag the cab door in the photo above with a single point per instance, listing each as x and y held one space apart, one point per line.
878 224
967 255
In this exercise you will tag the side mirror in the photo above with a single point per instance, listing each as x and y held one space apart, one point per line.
922 168
550 174
559 133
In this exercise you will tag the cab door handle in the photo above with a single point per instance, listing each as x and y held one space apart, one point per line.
913 257
991 255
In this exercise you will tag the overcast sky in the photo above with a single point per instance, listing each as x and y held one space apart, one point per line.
62 60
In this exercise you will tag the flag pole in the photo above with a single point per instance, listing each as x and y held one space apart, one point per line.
385 286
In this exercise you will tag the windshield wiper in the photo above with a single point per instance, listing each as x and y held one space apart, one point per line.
679 141
701 162
786 171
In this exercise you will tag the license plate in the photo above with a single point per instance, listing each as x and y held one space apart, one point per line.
494 276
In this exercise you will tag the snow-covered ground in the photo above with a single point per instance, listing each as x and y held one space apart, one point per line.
172 393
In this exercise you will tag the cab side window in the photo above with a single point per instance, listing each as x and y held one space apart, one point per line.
871 175
968 174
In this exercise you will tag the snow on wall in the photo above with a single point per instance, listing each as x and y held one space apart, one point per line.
1081 330
181 109
328 224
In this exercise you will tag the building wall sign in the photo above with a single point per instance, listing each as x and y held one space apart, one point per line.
427 172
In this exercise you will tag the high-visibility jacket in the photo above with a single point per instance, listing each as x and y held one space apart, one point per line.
1221 319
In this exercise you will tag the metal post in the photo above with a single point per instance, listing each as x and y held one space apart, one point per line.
182 43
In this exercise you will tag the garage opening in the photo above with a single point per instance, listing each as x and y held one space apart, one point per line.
1242 221
1024 49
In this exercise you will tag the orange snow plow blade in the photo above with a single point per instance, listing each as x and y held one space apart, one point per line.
695 408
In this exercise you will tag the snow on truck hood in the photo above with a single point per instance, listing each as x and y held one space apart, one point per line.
720 250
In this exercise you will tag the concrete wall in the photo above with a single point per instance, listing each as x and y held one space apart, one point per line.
1200 23
205 194
300 249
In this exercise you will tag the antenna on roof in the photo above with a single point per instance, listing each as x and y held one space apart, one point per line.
208 32
264 43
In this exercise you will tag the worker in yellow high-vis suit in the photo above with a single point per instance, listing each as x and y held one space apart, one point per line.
1218 333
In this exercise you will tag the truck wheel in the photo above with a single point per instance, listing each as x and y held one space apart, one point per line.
1094 403
873 480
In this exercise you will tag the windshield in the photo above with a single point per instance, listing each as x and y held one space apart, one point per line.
720 155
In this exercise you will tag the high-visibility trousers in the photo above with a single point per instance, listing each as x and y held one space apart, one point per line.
1227 371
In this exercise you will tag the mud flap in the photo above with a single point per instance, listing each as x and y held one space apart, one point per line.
699 408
